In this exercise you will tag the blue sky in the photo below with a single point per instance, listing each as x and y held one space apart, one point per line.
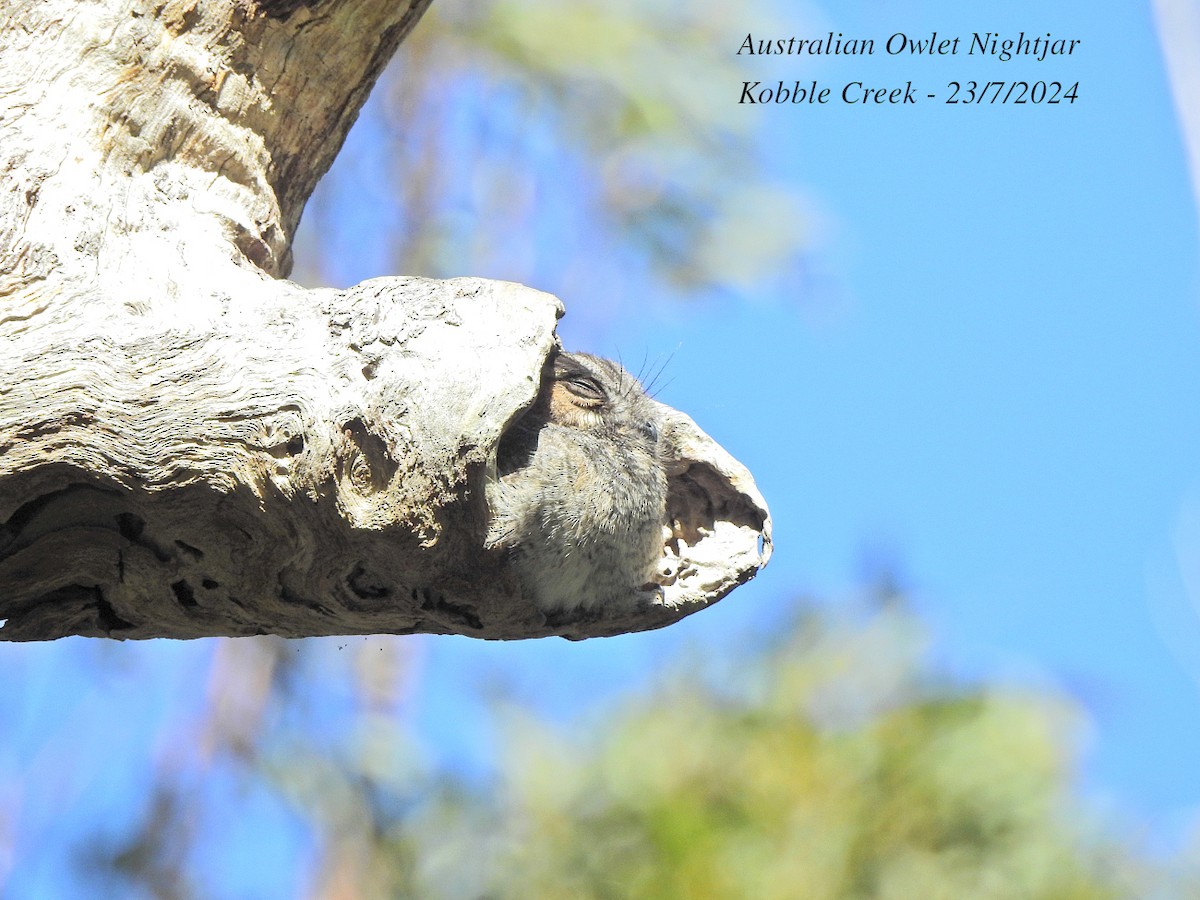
990 380
1007 394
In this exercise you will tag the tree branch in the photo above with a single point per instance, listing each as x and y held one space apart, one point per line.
190 446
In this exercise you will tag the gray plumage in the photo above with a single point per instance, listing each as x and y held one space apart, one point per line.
580 496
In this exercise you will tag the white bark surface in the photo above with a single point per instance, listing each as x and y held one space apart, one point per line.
192 446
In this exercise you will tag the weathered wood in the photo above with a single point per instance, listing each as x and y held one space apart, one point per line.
191 446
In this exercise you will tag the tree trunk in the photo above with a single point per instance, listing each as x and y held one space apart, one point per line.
191 445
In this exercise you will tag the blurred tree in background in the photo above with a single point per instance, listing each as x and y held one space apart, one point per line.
825 768
588 148
834 764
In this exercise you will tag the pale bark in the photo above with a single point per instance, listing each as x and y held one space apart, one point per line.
1178 23
191 445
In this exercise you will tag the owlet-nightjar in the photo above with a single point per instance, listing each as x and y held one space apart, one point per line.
580 495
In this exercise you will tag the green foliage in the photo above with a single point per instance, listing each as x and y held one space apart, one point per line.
766 789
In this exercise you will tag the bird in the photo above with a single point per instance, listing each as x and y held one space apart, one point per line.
578 498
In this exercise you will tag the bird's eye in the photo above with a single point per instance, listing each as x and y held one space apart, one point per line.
577 384
585 389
